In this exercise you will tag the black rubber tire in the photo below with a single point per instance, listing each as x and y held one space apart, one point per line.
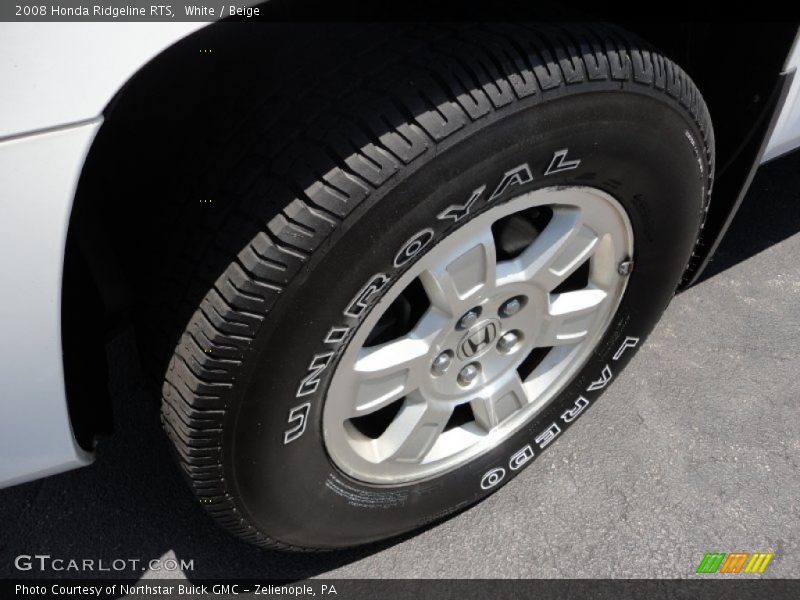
397 144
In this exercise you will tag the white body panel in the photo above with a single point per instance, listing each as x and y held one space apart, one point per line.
38 175
58 73
57 79
786 135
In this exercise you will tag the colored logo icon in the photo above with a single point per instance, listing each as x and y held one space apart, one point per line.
734 562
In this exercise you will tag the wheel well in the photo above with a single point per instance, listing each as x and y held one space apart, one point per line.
162 129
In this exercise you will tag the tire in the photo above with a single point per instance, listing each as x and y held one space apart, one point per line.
368 182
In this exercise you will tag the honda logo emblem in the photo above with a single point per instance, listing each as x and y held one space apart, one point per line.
478 339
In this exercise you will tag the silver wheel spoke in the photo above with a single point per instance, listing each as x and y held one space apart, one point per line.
570 317
386 373
469 269
564 245
500 403
413 433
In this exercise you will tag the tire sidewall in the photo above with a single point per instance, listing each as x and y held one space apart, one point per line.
635 146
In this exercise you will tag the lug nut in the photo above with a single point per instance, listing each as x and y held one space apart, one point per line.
625 267
508 341
468 374
469 318
442 362
511 307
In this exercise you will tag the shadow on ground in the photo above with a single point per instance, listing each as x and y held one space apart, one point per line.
769 214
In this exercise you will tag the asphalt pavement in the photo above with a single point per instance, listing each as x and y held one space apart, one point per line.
695 448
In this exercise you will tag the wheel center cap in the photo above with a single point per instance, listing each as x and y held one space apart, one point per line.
478 339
